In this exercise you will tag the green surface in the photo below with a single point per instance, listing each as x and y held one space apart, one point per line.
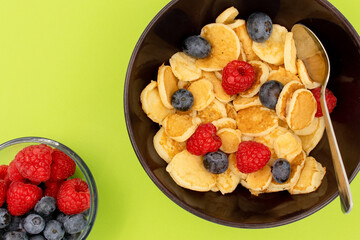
62 71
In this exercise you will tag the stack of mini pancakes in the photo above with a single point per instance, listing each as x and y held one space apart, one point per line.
291 131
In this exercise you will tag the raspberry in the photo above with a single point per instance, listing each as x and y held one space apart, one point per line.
14 173
33 162
22 197
73 196
4 183
52 188
252 156
204 140
237 76
62 166
329 98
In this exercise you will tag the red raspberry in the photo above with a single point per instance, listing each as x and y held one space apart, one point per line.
4 173
33 162
4 183
14 173
62 166
52 188
73 196
329 98
204 140
252 156
237 76
22 197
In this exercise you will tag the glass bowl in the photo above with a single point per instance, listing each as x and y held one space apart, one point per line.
9 149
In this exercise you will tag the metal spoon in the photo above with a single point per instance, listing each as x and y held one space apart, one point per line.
310 50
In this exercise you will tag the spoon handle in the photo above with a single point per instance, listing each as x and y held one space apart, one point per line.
340 173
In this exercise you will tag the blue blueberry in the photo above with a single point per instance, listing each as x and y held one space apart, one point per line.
15 224
5 218
182 100
15 235
269 93
259 27
34 224
45 206
75 224
216 162
54 230
281 170
62 218
37 237
196 47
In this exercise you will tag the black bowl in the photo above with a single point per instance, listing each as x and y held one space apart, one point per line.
163 37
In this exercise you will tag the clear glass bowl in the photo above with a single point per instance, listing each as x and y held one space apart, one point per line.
9 149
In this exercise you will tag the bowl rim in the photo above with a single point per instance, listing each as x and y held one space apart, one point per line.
171 196
79 162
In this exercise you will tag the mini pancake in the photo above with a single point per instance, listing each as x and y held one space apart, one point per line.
236 23
227 16
188 171
310 178
152 104
216 110
256 121
283 76
180 127
287 146
218 74
290 53
245 40
242 56
184 68
259 180
309 142
285 96
309 129
227 181
225 47
283 124
166 147
167 84
230 139
203 93
304 76
183 84
219 91
301 109
230 111
261 75
272 50
269 139
224 123
245 102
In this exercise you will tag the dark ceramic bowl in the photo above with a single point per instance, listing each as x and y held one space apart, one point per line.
163 37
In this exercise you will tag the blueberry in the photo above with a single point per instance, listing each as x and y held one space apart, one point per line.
75 223
182 100
62 218
72 236
269 93
196 47
34 224
54 230
216 162
5 218
37 237
281 170
15 235
259 26
15 224
45 206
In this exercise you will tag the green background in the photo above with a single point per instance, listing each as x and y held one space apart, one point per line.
62 73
